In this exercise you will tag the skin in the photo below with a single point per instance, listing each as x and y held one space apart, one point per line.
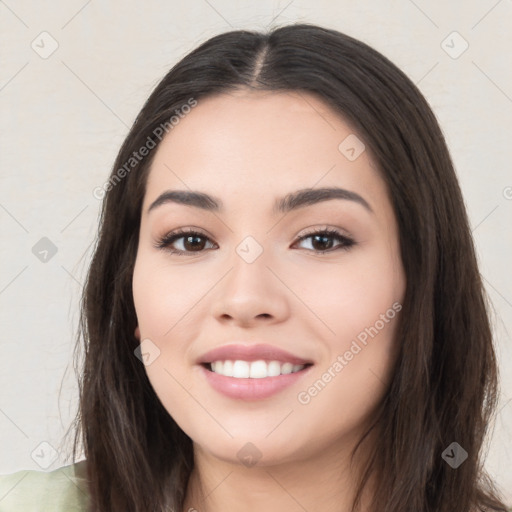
248 148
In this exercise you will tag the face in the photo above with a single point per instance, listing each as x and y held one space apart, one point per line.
313 283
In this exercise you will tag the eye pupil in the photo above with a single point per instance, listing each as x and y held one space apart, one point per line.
190 242
325 240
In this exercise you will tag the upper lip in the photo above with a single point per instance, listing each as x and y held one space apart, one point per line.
236 351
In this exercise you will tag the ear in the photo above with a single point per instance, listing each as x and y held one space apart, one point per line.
137 332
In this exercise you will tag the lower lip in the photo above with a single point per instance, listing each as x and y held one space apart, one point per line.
252 389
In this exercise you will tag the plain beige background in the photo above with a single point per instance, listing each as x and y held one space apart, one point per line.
74 75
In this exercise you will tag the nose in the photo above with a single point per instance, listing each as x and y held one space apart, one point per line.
251 294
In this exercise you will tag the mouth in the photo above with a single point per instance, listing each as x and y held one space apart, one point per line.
251 372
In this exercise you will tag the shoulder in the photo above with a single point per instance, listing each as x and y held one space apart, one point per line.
63 489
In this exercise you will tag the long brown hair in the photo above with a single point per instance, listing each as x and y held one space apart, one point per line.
445 382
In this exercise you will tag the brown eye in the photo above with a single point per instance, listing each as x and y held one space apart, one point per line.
193 242
183 242
324 240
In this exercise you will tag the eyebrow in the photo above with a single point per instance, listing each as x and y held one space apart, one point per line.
292 201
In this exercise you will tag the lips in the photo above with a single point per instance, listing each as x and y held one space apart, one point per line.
251 372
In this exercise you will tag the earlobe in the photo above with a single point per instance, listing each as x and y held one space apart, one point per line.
137 333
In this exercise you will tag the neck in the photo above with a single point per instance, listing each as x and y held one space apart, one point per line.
326 482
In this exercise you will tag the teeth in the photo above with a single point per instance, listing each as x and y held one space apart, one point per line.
274 369
226 368
254 369
257 370
287 368
241 369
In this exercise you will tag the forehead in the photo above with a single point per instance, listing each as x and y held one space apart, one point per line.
261 145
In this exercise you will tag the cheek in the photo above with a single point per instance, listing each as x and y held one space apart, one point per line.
167 302
162 300
352 380
164 296
359 304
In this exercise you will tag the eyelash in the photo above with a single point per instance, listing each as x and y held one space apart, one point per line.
168 239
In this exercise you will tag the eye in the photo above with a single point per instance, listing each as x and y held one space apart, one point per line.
189 241
193 241
322 240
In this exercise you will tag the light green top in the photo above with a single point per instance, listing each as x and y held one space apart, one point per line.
61 490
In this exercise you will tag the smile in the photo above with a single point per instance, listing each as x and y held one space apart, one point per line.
250 371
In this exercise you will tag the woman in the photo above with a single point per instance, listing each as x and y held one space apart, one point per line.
284 309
